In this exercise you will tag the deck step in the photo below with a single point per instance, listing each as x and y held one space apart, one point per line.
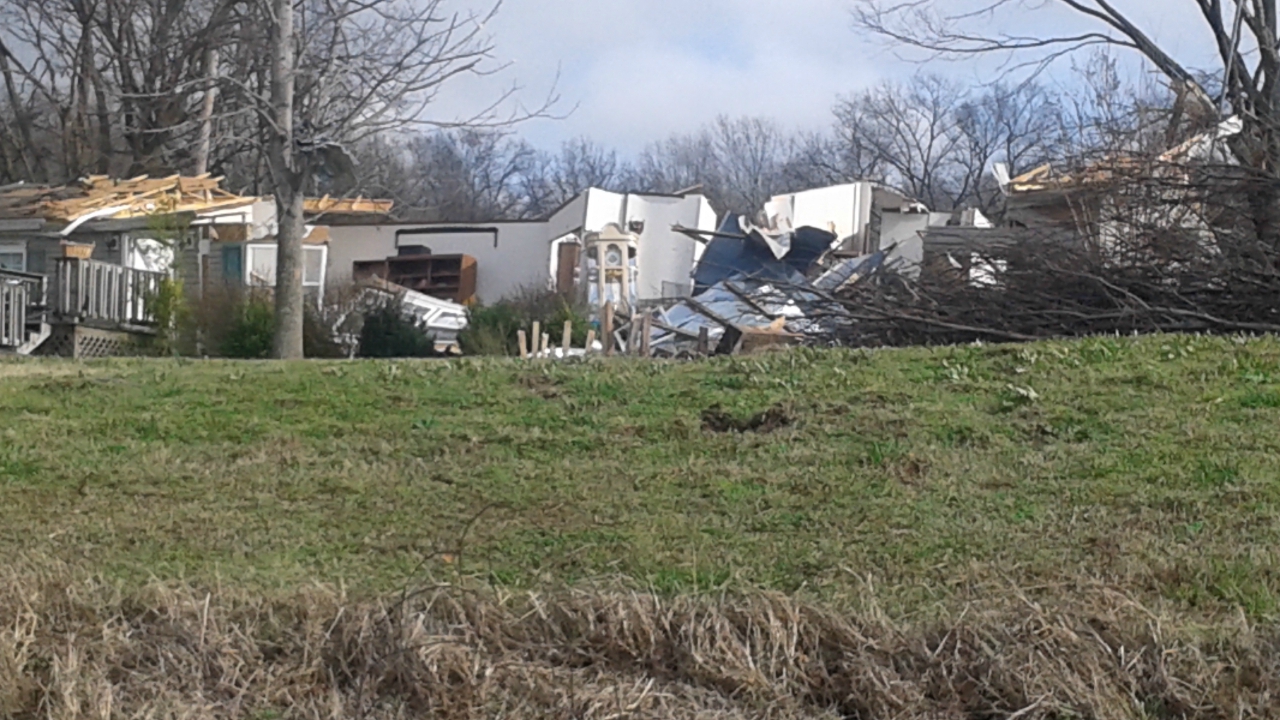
35 339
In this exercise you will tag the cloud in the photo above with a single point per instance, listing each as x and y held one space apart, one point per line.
638 70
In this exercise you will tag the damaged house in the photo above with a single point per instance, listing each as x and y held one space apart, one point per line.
1123 203
488 261
81 264
762 285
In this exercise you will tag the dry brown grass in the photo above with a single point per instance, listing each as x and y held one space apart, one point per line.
79 649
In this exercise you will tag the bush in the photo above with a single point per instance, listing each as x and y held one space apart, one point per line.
491 331
388 333
318 340
175 320
494 329
250 333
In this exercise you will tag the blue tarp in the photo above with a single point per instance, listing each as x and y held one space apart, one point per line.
728 256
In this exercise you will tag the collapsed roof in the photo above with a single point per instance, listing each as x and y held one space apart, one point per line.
135 197
99 196
1206 147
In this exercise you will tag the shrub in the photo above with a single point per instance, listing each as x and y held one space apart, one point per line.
318 340
493 330
389 333
250 333
175 321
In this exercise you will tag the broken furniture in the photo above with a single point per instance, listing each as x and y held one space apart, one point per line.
448 277
443 320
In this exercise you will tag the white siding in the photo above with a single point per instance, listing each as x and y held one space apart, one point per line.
666 257
523 256
519 259
569 219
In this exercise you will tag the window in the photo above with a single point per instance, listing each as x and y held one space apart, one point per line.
233 263
261 265
13 256
313 258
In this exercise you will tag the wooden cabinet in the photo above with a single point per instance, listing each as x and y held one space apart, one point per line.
448 277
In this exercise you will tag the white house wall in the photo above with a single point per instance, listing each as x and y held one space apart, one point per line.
525 256
603 207
666 258
842 209
518 261
569 219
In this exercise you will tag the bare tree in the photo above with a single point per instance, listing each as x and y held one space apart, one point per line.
104 85
676 163
554 179
751 157
1242 37
469 176
828 158
341 72
1017 125
910 130
739 162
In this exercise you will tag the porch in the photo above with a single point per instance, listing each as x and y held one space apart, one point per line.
85 308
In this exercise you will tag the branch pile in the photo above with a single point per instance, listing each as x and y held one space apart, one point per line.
1144 278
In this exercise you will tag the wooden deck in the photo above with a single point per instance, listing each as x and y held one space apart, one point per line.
38 314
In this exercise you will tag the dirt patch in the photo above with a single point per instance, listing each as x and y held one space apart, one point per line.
716 419
540 385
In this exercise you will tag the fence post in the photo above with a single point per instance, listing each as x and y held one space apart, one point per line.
566 338
524 344
607 327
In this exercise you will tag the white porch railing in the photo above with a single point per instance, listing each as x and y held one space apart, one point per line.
22 301
92 290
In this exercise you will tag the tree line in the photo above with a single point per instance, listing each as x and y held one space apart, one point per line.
934 138
129 87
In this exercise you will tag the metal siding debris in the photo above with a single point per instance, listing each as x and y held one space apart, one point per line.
442 319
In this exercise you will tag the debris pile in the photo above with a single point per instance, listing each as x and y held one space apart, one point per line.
755 287
441 319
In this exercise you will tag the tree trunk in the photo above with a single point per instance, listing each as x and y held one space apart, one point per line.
206 112
289 299
26 148
288 182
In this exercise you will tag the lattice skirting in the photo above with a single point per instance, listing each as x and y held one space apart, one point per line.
78 341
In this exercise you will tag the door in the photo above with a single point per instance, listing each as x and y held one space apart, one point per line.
567 269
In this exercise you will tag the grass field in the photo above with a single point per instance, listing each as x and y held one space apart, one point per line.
1149 464
1059 531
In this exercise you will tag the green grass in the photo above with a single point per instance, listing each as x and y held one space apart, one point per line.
1153 464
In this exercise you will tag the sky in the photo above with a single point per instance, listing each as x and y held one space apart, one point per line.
631 72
